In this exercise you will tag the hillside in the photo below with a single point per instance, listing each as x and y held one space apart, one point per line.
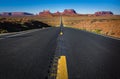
15 24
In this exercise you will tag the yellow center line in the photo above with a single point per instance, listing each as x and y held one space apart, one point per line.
62 68
61 33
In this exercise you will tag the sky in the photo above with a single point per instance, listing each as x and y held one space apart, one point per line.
81 6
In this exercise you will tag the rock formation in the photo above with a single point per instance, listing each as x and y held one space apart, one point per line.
15 14
57 13
45 13
69 12
100 13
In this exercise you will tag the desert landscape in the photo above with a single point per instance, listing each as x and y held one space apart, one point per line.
104 22
60 39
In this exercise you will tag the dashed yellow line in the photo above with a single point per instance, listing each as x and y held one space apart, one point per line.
62 72
61 33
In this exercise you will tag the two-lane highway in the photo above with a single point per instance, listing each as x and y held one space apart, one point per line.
86 55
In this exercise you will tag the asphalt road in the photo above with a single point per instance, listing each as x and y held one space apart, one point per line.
89 56
28 55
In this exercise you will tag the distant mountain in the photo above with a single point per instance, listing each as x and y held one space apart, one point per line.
65 12
15 14
57 13
69 12
45 13
100 13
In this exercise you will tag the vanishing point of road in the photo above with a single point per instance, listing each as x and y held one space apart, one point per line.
29 55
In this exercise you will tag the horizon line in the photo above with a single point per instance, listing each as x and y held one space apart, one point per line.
60 11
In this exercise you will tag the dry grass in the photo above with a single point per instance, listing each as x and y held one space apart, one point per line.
107 25
50 20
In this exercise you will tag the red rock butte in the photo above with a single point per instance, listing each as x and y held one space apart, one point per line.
66 12
103 13
73 12
15 14
69 12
